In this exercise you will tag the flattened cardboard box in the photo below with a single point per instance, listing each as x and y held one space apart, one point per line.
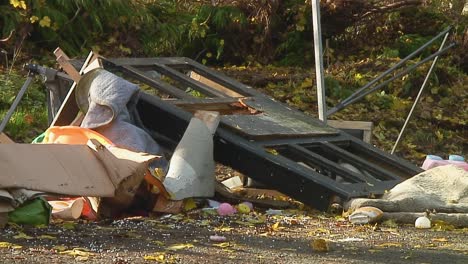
74 170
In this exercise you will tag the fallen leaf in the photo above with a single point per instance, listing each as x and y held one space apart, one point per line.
9 245
22 235
46 237
189 204
157 242
59 248
320 245
223 229
77 252
223 245
275 227
81 258
272 151
439 239
180 246
387 245
158 257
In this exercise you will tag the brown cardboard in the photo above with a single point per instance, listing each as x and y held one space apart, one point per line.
4 139
74 170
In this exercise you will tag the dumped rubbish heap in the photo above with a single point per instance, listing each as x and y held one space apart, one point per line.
100 159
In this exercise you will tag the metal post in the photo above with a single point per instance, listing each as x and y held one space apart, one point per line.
322 106
16 101
419 94
398 75
358 92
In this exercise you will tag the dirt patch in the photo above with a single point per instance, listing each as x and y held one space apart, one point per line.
254 238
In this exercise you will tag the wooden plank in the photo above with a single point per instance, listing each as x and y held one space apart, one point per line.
69 110
365 126
214 85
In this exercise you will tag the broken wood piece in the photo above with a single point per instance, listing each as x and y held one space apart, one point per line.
59 52
164 205
214 85
68 114
238 197
69 69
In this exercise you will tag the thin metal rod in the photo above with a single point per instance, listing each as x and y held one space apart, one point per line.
434 62
16 102
321 102
401 62
407 70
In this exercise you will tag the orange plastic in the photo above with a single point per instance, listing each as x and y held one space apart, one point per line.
72 135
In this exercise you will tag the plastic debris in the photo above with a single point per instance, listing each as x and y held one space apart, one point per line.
67 209
422 222
243 208
33 212
365 215
226 209
217 238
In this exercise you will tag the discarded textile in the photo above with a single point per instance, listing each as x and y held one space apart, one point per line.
107 101
444 189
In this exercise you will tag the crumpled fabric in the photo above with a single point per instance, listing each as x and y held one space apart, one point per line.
110 100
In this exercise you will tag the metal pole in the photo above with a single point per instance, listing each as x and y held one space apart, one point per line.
322 106
419 94
407 70
401 62
16 101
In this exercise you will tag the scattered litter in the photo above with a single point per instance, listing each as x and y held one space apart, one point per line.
243 208
233 183
422 222
67 209
217 238
226 209
191 169
433 161
350 239
365 215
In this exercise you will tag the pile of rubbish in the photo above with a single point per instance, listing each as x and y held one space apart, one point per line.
99 166
103 165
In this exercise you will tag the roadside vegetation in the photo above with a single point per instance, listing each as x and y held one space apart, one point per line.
266 44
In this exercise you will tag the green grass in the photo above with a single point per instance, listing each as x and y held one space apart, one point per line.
30 118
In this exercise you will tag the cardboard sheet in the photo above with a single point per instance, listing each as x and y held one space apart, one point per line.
69 169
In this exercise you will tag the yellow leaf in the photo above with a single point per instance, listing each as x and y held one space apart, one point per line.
82 258
45 22
189 204
46 237
155 257
33 19
157 242
59 248
271 151
439 239
22 235
223 245
223 229
23 5
275 226
77 252
386 245
180 246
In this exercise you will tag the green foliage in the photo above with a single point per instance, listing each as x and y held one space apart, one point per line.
30 117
